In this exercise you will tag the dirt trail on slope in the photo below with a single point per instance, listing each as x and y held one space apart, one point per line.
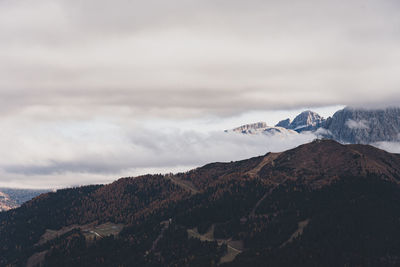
253 211
298 232
183 183
165 225
268 159
234 247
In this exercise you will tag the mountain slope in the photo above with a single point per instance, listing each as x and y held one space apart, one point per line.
320 204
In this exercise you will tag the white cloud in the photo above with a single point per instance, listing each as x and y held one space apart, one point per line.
322 132
54 155
358 125
392 147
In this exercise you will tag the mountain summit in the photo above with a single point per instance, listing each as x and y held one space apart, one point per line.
305 121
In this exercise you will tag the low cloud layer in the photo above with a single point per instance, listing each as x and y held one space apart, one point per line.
54 156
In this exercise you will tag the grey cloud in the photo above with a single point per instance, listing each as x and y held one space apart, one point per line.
195 57
55 168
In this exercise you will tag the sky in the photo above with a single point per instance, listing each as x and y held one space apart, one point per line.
94 90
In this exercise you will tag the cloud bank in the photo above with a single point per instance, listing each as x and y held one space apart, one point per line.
54 156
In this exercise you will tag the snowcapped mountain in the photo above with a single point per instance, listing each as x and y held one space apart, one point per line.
262 128
305 121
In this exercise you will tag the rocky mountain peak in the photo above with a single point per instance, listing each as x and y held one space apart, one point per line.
305 121
261 128
248 128
284 123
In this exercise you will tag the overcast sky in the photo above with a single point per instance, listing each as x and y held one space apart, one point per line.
91 90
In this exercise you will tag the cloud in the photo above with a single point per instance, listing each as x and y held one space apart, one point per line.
392 147
51 155
190 58
86 85
322 132
357 125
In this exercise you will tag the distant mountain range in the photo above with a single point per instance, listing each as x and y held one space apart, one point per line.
11 198
320 204
349 125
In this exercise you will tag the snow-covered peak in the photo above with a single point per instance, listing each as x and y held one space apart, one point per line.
307 118
305 121
261 128
250 128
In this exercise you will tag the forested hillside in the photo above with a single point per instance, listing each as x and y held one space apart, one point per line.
321 204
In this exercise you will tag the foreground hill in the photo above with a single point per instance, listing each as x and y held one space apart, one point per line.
320 204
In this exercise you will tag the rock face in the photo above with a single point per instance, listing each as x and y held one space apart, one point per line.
361 126
251 128
261 128
284 124
305 121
